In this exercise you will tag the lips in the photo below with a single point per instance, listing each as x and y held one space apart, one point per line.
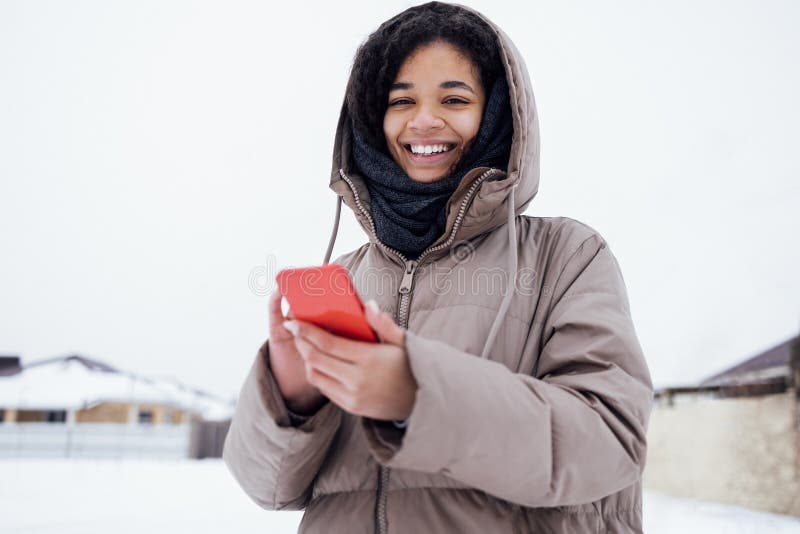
433 159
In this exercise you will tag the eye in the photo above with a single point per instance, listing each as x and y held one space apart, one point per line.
401 102
455 100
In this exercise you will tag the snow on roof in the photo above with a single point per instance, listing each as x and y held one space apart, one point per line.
75 382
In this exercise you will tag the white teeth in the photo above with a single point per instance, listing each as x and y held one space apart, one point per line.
428 149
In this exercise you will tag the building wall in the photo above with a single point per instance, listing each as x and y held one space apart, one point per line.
742 451
107 412
179 416
31 416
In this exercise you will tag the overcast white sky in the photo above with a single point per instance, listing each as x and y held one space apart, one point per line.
152 154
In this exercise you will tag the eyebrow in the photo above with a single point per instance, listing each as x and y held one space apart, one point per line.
452 84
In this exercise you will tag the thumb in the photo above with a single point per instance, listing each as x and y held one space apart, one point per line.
388 331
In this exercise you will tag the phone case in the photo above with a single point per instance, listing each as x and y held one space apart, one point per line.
325 296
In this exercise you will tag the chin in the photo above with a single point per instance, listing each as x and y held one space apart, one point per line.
428 178
432 175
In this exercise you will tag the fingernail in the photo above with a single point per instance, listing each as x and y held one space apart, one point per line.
291 327
373 306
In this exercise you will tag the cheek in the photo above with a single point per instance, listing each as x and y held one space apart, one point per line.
391 128
468 126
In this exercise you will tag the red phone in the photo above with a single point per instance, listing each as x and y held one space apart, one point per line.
325 296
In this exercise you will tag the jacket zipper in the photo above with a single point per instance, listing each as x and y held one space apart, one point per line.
381 522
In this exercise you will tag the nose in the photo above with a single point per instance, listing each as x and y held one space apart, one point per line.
425 119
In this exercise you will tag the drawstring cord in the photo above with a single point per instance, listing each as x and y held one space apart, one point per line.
512 276
335 231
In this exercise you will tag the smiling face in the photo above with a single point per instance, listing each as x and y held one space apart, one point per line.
434 111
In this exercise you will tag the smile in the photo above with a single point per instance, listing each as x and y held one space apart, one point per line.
428 150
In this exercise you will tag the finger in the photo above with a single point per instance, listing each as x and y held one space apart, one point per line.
329 387
342 371
338 346
275 313
312 356
276 319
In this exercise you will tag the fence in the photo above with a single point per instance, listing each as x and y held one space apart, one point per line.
94 440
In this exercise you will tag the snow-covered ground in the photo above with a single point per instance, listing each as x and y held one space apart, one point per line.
127 496
663 514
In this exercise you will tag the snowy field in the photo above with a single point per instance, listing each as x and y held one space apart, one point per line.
130 496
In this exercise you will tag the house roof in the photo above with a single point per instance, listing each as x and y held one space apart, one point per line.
771 365
75 382
93 365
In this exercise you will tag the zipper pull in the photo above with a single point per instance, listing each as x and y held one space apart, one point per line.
408 275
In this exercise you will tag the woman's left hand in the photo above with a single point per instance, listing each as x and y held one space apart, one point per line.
368 379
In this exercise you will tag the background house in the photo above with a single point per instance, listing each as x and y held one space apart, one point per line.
77 406
733 438
773 366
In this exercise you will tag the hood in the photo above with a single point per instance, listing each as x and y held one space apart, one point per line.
486 207
483 201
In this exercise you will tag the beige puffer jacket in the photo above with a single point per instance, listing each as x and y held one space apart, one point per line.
533 395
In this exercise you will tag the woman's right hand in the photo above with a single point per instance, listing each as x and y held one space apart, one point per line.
288 366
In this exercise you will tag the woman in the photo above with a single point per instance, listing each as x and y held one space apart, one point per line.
509 392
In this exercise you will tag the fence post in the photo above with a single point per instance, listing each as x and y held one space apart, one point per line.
207 438
794 383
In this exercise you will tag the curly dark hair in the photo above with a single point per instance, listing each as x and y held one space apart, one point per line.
380 57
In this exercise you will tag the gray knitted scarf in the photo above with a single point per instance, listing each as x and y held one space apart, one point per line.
409 216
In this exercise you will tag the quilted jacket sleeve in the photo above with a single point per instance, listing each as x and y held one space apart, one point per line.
273 461
571 434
